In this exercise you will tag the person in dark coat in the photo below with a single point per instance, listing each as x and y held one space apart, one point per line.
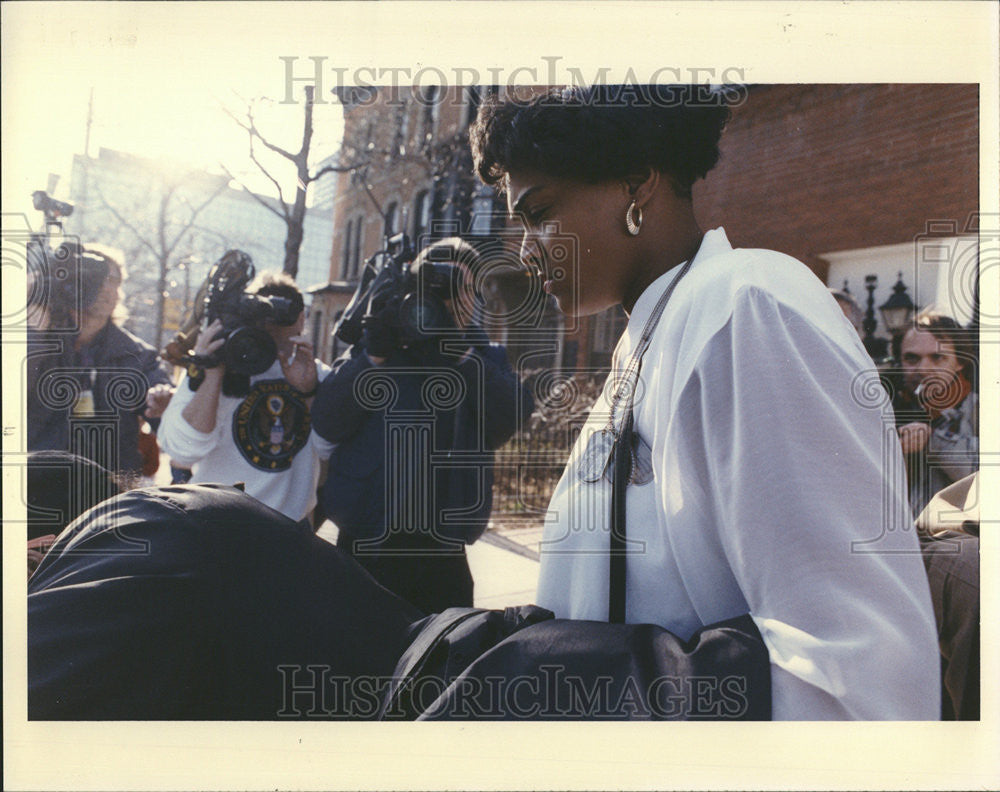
416 419
89 381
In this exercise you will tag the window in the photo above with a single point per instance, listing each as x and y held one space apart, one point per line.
345 258
473 99
390 219
317 323
421 216
356 249
606 329
369 140
351 254
483 209
401 119
430 102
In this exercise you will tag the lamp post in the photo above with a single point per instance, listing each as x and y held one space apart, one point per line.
897 311
876 347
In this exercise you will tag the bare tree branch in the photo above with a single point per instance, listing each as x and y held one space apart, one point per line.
251 128
251 193
332 169
274 181
272 146
159 243
194 216
292 213
121 219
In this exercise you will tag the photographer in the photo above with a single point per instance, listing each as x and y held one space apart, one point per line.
416 414
235 427
76 349
937 409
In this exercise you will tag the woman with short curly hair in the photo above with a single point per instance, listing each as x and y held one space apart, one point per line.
763 476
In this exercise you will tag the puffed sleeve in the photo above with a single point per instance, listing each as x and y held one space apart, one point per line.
807 495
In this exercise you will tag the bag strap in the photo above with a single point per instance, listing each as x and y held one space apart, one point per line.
622 471
622 453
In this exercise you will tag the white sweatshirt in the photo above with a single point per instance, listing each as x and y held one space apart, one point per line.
264 440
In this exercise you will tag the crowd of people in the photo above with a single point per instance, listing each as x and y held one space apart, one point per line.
728 471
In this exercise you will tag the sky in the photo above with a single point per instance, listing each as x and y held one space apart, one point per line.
159 90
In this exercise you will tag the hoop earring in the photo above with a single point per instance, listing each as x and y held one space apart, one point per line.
633 226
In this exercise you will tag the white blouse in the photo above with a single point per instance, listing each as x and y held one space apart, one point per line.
778 489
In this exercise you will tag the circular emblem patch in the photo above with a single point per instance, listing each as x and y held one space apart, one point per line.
271 425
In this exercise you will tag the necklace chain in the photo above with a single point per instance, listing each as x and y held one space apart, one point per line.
628 383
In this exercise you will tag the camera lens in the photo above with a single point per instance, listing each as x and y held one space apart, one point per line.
421 317
249 351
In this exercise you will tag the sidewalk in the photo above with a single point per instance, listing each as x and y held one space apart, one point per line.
505 569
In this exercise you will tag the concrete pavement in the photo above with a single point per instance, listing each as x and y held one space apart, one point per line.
505 573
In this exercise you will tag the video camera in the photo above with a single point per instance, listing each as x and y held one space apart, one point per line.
50 207
248 348
408 295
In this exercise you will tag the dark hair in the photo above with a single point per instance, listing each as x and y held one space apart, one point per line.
602 132
949 331
271 283
75 275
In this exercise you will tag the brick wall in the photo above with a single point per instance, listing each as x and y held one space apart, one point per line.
396 178
812 169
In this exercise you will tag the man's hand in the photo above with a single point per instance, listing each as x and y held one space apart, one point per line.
208 341
299 368
157 399
913 437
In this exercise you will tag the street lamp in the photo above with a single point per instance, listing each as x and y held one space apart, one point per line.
897 311
876 347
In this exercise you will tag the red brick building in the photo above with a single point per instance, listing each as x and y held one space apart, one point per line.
418 179
815 170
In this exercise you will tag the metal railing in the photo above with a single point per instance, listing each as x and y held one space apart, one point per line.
529 465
